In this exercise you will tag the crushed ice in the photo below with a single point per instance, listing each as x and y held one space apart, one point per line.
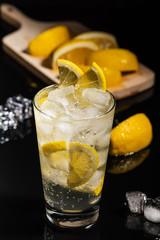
17 111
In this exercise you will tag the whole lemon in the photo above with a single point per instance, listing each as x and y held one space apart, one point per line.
131 135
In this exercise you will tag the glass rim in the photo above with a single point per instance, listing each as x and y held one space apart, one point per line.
82 119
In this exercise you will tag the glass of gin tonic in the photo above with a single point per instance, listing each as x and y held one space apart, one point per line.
73 132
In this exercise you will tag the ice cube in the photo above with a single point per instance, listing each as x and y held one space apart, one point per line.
66 96
63 129
8 119
97 97
52 108
84 111
136 201
22 107
152 210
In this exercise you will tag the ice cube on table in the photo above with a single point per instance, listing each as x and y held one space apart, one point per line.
136 201
8 119
152 210
21 106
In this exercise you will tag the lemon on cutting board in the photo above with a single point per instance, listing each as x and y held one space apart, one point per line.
114 58
43 44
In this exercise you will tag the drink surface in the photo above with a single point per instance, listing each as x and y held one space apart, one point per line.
73 131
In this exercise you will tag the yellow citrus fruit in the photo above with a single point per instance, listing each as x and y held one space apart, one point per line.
113 76
131 135
69 73
47 41
98 189
93 78
83 163
103 39
80 160
74 50
41 100
56 154
114 58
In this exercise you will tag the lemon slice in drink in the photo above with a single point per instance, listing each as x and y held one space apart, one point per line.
103 39
74 50
69 73
57 155
83 163
93 78
43 44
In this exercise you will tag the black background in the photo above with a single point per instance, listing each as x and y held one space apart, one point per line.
22 216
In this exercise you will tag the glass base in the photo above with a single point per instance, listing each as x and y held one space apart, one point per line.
73 220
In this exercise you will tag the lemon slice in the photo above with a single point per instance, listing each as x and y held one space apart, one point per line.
75 44
131 135
47 41
57 155
114 58
69 72
113 76
83 163
103 39
93 78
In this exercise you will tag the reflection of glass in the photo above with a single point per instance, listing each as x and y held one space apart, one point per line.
51 233
122 164
72 190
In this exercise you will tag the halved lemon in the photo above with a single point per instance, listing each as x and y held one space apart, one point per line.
93 78
131 135
75 50
69 73
43 44
114 58
103 39
83 163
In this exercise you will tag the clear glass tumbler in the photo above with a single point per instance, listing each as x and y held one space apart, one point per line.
73 140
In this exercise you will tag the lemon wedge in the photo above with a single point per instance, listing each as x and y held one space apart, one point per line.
69 73
93 78
114 58
131 135
43 44
74 50
103 39
83 163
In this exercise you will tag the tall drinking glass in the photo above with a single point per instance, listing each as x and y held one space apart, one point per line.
73 140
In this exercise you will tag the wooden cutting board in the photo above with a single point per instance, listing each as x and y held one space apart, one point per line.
15 44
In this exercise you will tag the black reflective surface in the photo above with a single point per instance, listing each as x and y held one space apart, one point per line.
22 214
